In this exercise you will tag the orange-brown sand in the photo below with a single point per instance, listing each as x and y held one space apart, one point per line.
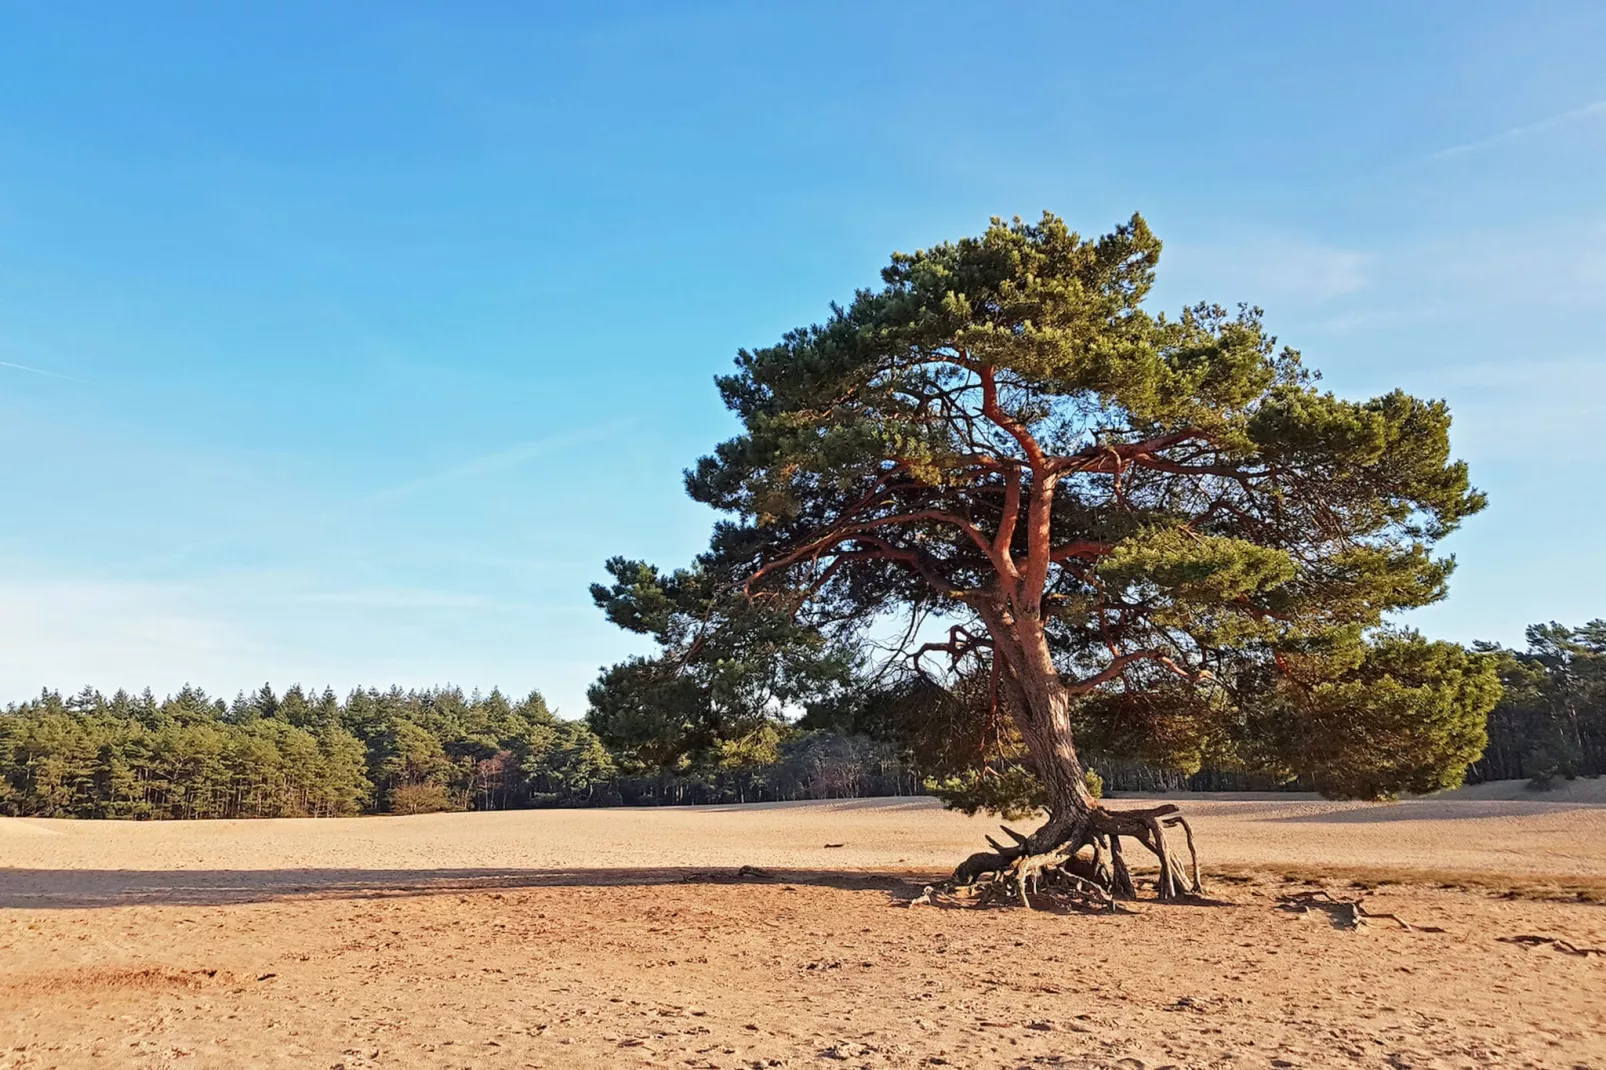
623 938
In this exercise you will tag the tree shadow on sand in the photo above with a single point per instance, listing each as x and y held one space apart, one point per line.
76 889
873 804
81 889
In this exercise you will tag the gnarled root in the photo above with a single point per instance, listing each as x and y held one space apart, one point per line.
1050 861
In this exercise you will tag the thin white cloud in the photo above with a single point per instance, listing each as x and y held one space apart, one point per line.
1550 122
1584 376
484 464
41 371
396 598
1491 276
487 463
1383 319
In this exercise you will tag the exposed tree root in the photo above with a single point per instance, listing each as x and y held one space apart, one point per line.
1051 862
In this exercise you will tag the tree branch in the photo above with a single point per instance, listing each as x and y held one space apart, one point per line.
1119 665
852 531
1105 457
1080 548
1005 538
919 562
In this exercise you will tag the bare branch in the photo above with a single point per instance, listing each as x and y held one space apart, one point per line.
1080 548
1107 457
1005 537
1120 664
851 531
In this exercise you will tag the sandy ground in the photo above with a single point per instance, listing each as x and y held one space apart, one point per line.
625 938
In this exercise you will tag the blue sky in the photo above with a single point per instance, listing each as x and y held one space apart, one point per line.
342 343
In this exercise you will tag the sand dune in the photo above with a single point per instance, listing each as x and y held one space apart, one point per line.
624 938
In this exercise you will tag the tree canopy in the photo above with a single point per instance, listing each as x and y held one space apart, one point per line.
1083 523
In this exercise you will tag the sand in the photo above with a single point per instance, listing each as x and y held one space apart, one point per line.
624 938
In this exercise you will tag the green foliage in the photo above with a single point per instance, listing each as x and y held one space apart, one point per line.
727 672
1095 783
566 761
383 751
1547 769
1410 717
410 758
1012 793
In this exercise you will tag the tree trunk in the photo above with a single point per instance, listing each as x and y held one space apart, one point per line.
1046 727
1040 704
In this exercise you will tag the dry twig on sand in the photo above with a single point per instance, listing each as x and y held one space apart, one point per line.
1351 912
714 876
1556 942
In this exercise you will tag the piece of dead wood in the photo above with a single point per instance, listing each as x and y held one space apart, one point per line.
714 876
1352 912
1529 940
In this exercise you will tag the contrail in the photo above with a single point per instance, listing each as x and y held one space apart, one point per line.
41 371
1596 107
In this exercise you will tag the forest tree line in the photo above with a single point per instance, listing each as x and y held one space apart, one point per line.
316 755
1550 723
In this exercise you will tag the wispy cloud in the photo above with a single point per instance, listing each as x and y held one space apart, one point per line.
486 463
1494 277
398 598
1583 377
1551 122
41 371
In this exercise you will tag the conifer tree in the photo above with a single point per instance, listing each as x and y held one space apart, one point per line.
1091 522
